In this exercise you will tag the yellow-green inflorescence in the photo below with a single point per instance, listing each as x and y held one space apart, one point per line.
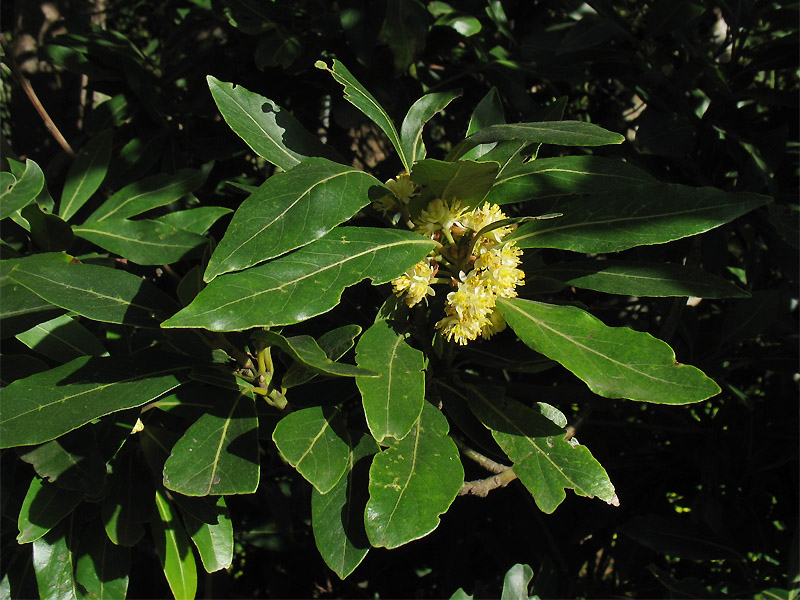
480 269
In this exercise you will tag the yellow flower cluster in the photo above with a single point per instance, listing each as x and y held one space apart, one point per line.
402 189
487 268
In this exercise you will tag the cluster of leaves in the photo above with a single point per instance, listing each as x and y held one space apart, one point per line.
158 371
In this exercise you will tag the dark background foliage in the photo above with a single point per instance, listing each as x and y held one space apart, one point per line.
707 95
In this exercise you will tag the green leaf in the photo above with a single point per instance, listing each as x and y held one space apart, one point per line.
405 29
44 507
53 563
653 214
420 113
144 242
47 231
488 112
272 133
290 210
357 95
95 292
73 460
565 175
18 192
101 569
516 582
195 220
615 362
17 299
465 180
44 406
218 454
62 339
129 502
173 549
412 482
209 524
639 279
150 193
334 344
87 172
315 442
337 517
559 133
393 400
303 284
304 349
545 463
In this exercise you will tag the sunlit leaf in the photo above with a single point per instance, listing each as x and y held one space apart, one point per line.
62 339
209 524
44 506
173 549
54 562
101 568
420 113
18 192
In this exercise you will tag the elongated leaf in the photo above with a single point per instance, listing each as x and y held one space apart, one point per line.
128 504
87 172
95 292
101 568
44 406
565 175
53 563
655 214
489 111
305 283
640 279
44 506
393 400
209 524
272 133
315 442
545 463
559 133
61 339
173 549
150 193
412 482
615 362
218 454
337 517
73 460
333 343
47 231
290 210
305 350
144 242
466 180
420 113
357 95
16 193
17 299
195 220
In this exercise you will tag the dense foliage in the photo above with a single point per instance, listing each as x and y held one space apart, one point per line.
399 298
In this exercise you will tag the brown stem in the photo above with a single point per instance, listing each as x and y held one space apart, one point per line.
482 487
484 461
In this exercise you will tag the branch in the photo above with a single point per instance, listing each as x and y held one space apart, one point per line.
482 487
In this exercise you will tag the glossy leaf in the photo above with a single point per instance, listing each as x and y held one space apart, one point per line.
305 283
653 214
44 506
101 568
73 461
615 362
53 563
412 482
466 180
516 582
16 193
333 343
290 210
337 517
305 350
44 406
420 113
272 133
488 112
545 463
566 175
17 299
393 400
149 193
128 504
639 279
209 524
357 95
62 339
95 292
144 241
559 133
87 172
196 220
48 231
218 454
173 549
315 442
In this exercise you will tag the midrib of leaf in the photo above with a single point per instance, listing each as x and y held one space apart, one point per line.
290 206
221 443
78 187
313 443
160 190
525 126
160 244
562 170
346 515
392 358
56 336
414 453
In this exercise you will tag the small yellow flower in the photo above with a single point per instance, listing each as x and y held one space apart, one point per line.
439 215
496 324
487 214
415 283
402 187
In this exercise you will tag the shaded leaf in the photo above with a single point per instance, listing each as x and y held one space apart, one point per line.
209 524
62 339
196 220
465 180
101 568
48 231
45 506
334 344
87 172
488 112
405 29
53 563
420 113
18 192
128 504
17 299
173 549
72 460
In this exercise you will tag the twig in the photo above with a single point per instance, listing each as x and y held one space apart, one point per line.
482 487
484 461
